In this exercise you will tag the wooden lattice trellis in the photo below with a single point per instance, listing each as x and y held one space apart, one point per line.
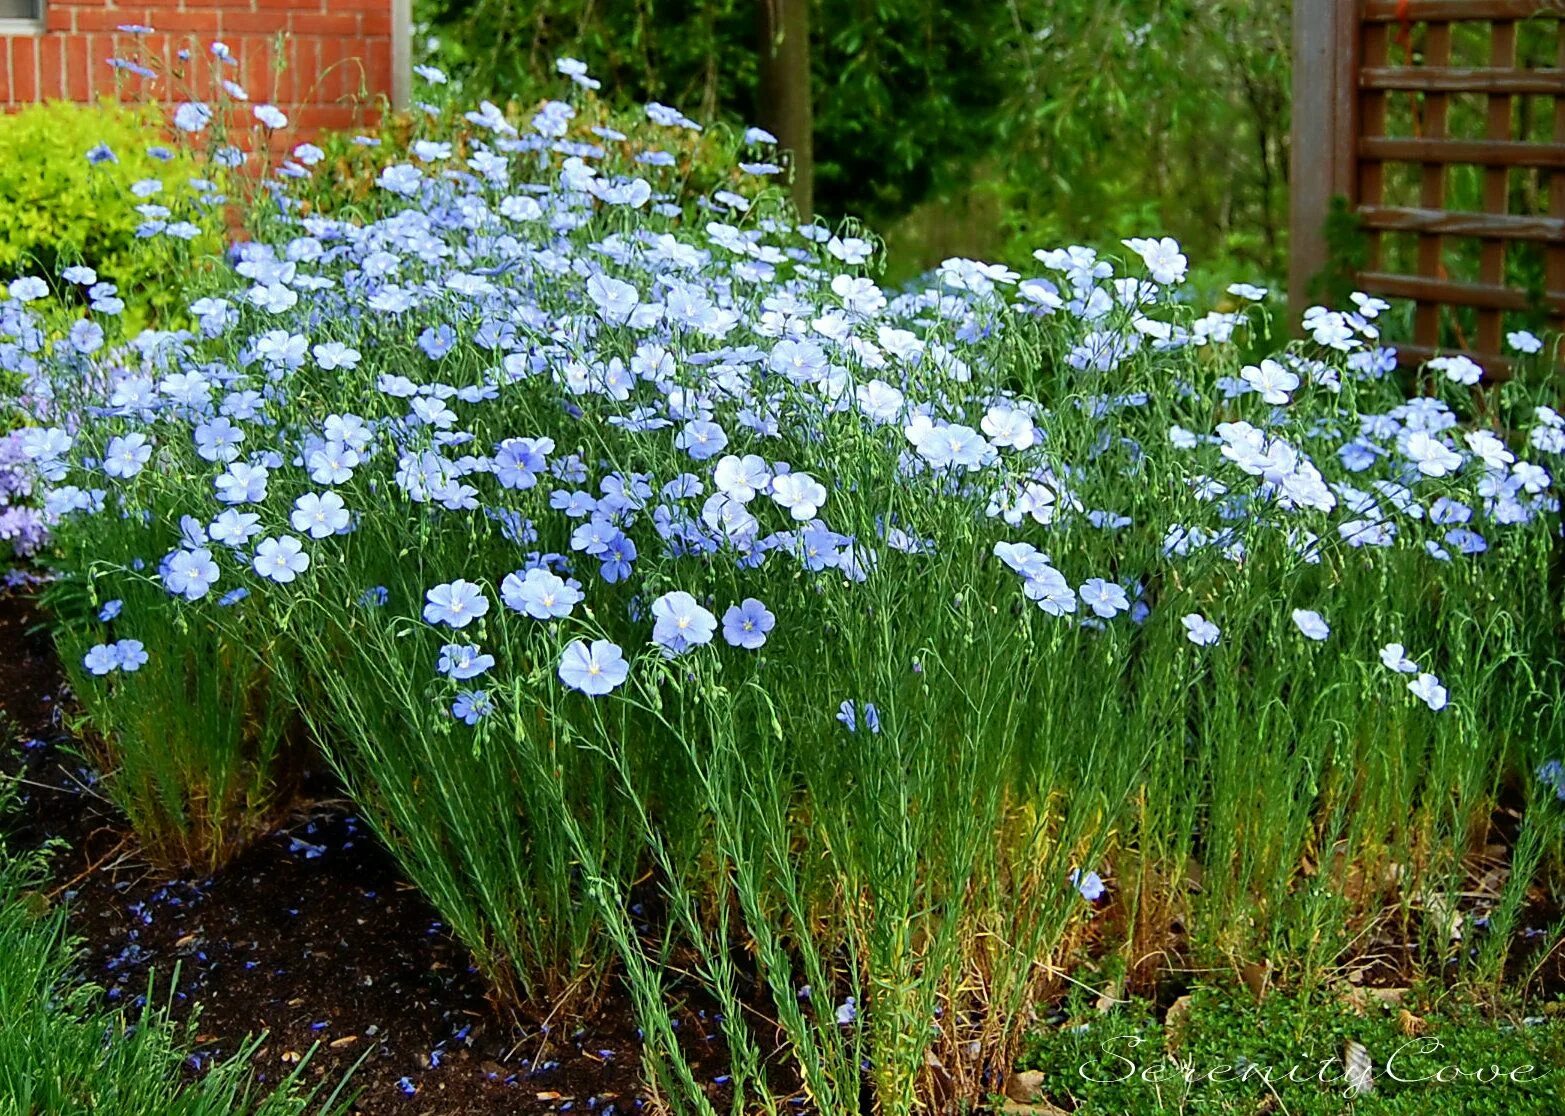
1396 104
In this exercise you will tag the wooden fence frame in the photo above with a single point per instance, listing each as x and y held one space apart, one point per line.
1342 77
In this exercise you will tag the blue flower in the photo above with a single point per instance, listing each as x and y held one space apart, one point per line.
746 624
131 653
539 594
1090 884
1310 623
189 573
126 455
847 713
681 623
101 659
110 609
1199 630
280 559
1552 774
192 116
457 603
462 661
595 669
1106 599
320 515
471 706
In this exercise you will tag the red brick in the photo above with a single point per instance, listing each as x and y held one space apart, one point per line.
56 18
203 21
24 72
5 71
256 67
251 23
324 23
330 80
107 19
377 59
312 117
309 61
78 68
51 68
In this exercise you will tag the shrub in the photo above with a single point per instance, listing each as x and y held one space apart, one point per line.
66 172
673 600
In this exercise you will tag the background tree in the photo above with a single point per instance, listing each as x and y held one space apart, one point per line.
785 103
959 127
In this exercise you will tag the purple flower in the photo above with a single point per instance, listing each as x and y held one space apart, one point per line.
746 624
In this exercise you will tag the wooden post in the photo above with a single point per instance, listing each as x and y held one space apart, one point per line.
1322 157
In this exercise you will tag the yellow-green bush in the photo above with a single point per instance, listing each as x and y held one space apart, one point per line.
58 207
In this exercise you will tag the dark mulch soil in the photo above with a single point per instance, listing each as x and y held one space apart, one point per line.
312 936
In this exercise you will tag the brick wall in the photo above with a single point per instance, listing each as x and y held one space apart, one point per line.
324 62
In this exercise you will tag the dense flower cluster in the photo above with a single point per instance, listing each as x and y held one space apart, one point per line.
699 347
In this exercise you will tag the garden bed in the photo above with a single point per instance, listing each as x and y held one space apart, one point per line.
312 936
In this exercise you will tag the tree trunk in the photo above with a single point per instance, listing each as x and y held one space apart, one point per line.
785 107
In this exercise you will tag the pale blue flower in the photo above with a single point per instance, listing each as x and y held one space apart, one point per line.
594 669
320 515
101 659
457 603
189 573
1427 689
1090 884
131 653
1311 624
538 593
1199 630
462 661
681 623
280 559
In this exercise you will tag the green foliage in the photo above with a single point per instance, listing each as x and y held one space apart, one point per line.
965 127
57 208
907 92
63 1053
1427 1054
